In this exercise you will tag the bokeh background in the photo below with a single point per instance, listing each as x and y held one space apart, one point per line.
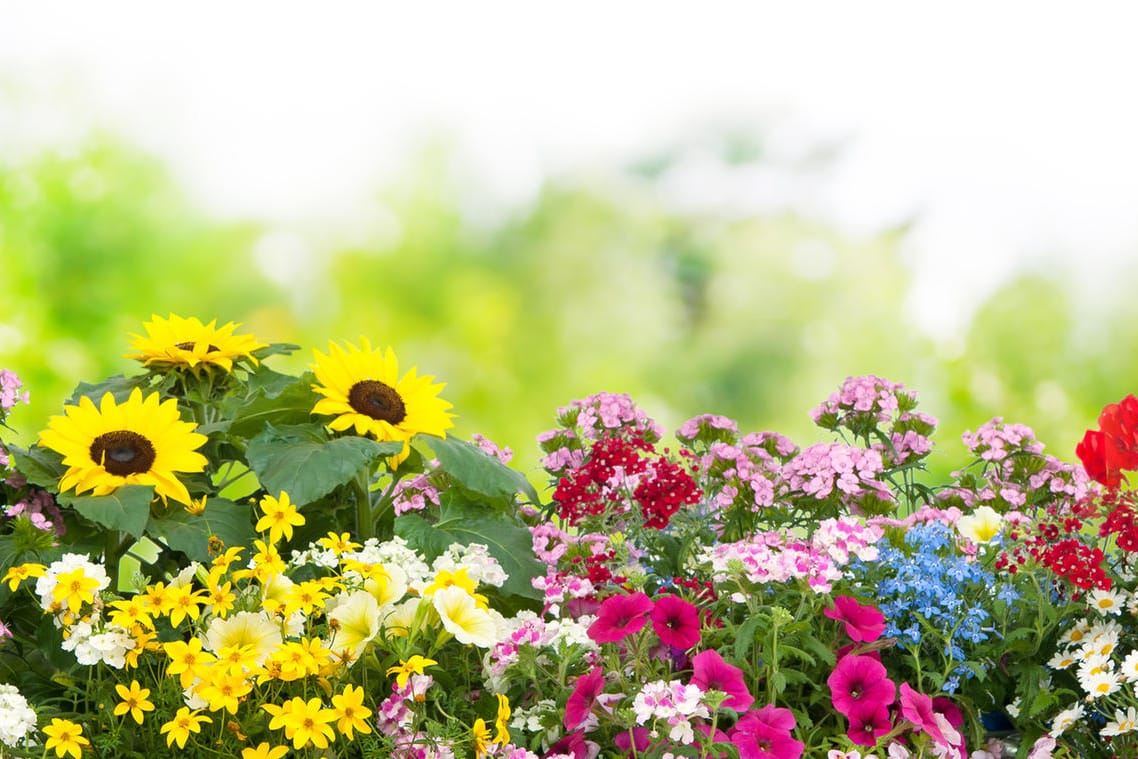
726 208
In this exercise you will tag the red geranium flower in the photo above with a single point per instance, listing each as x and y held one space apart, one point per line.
710 672
676 621
620 616
863 623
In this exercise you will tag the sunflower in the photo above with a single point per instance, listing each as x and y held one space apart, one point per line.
139 442
362 389
177 343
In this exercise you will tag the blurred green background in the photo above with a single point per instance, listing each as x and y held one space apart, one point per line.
598 285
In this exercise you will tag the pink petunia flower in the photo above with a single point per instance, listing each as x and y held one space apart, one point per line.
620 616
859 686
711 672
863 623
676 621
585 692
765 734
918 709
866 729
636 736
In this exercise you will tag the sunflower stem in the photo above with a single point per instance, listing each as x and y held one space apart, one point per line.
365 519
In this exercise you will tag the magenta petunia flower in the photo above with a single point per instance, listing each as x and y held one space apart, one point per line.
865 729
765 734
636 736
859 686
620 616
710 672
863 623
585 692
918 709
676 621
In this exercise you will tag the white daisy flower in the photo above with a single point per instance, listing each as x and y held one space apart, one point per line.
1124 722
1100 684
1107 601
1062 660
1130 666
1065 719
1076 634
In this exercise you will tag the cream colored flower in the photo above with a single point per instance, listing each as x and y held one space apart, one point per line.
981 526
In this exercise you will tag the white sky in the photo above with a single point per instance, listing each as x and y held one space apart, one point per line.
1008 130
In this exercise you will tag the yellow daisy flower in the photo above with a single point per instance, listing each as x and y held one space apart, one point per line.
65 737
280 516
179 343
15 575
139 442
413 666
363 390
73 589
502 722
264 751
481 738
134 701
351 714
184 722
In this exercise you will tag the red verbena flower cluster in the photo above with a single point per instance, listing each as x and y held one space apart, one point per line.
1057 543
620 472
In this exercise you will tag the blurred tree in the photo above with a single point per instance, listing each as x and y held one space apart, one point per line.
602 283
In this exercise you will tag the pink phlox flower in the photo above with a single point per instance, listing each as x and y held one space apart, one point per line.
711 672
864 623
1042 747
620 616
860 686
585 692
917 708
676 621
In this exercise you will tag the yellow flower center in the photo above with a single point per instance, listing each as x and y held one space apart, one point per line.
123 452
377 400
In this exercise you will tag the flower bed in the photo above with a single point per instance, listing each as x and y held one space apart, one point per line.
212 558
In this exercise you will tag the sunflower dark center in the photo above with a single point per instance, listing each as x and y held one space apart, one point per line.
377 400
211 348
123 452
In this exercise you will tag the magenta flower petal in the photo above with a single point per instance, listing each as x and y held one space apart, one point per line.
859 686
584 696
863 623
765 734
918 709
620 616
676 621
710 672
864 730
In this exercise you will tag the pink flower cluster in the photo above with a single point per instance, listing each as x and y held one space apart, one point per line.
777 557
10 393
589 419
486 445
1016 473
415 493
868 405
835 471
37 505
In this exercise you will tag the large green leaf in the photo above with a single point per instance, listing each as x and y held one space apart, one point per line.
40 466
273 398
127 509
118 386
190 533
508 542
299 461
478 471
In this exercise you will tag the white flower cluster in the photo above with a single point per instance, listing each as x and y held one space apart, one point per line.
45 585
17 719
476 559
110 645
397 552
